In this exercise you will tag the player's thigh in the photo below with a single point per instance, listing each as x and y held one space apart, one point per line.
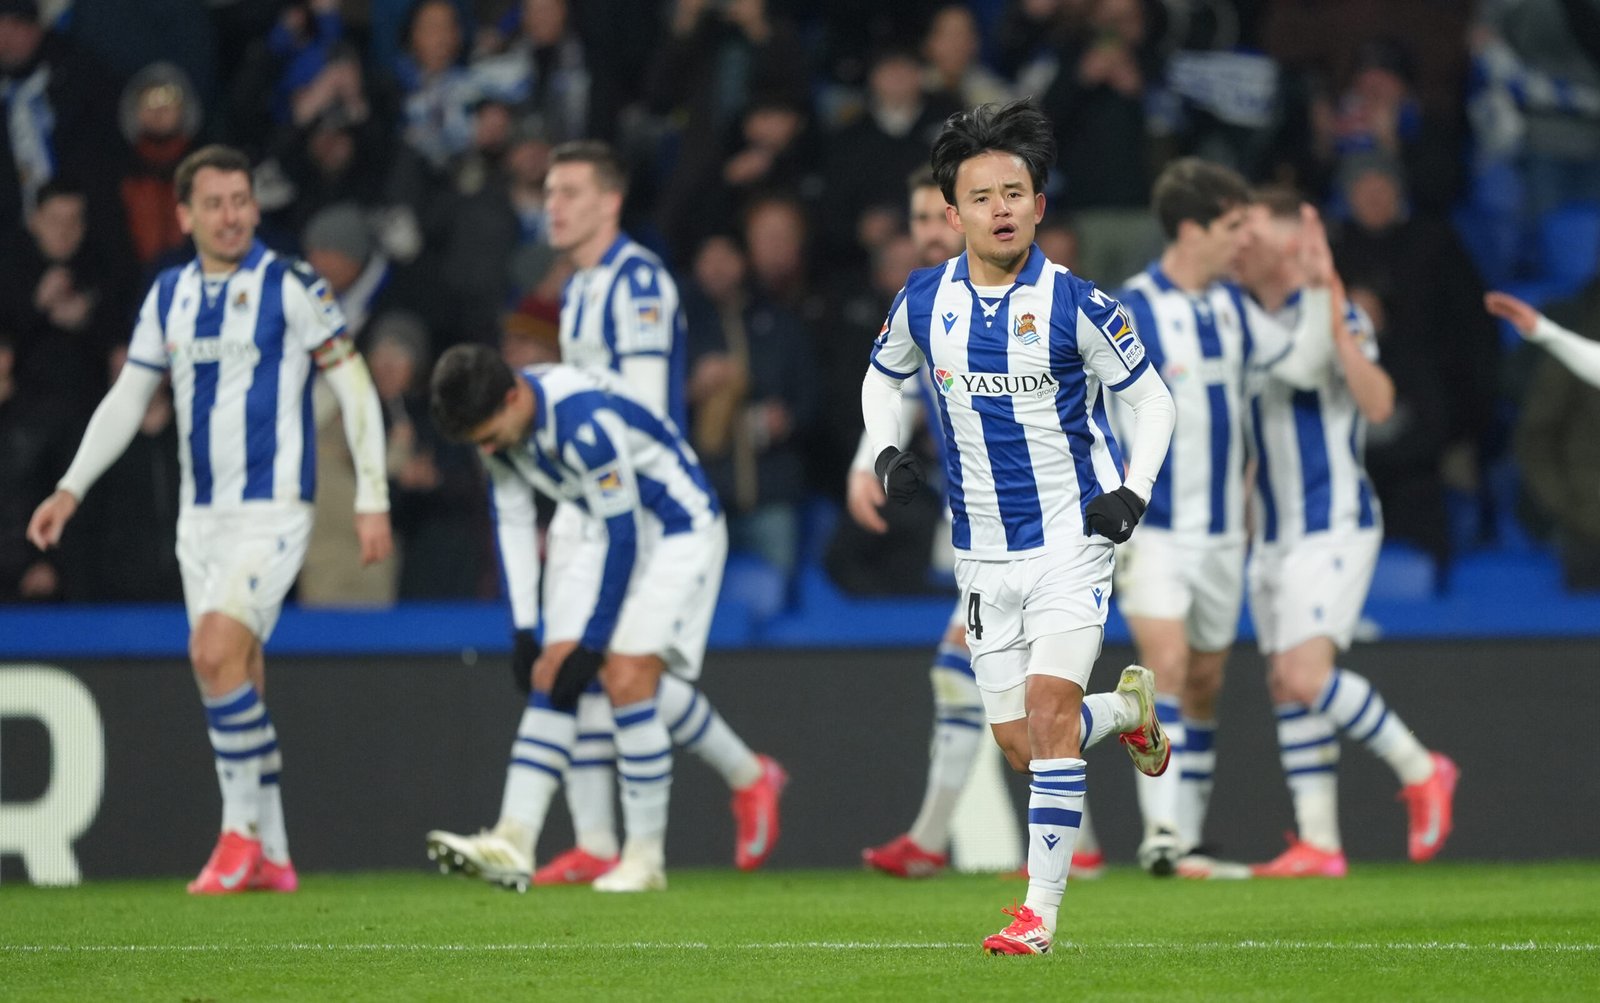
1321 588
1150 580
575 557
672 597
992 607
241 563
1066 591
1217 585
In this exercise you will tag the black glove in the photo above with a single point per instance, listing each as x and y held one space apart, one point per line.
899 473
1113 515
574 676
524 652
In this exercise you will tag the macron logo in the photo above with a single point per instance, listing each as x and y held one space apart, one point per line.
1050 840
1099 594
949 319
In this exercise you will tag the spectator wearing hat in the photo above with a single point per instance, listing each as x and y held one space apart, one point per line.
340 244
160 114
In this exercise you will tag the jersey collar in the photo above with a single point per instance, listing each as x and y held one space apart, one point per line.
614 250
258 250
1160 278
1031 269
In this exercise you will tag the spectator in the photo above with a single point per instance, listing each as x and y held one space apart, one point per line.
1097 102
63 301
752 394
438 92
103 562
35 448
340 244
869 159
474 231
160 115
950 49
545 75
1558 448
527 163
1432 298
60 113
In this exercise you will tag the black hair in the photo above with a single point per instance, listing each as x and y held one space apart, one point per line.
608 171
217 157
469 385
1017 128
1281 201
921 178
1196 190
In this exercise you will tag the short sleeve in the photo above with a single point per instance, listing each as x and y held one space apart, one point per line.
148 345
309 306
1362 329
644 310
1107 340
895 352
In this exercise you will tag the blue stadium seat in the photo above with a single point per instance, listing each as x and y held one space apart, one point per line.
751 582
1403 572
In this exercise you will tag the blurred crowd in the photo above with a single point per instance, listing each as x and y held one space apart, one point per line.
402 144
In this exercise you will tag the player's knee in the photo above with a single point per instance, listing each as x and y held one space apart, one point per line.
628 679
1057 726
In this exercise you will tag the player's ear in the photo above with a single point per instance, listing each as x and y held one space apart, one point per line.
185 219
1038 208
952 215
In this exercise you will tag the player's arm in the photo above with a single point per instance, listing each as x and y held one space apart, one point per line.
895 359
864 496
1111 350
646 317
313 313
1355 346
114 424
1301 356
516 535
1574 351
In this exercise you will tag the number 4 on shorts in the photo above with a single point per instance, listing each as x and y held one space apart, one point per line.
974 619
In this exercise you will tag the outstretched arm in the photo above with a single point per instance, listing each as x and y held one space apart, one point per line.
1576 352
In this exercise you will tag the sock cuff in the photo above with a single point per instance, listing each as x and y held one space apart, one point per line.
541 701
952 656
633 714
233 702
1062 765
1168 709
1290 710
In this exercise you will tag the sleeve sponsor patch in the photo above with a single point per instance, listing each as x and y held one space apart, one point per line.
611 494
1119 331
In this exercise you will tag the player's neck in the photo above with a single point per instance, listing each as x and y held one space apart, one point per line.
1184 271
589 253
1273 293
216 268
986 273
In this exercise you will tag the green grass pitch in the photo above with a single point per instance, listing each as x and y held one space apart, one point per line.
1388 932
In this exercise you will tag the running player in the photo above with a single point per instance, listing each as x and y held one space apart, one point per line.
577 436
1317 531
1020 352
238 329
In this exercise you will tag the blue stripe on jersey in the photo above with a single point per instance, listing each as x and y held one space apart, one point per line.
1004 439
308 440
1269 504
1316 481
207 324
1248 342
1158 512
1366 518
655 496
261 400
1071 410
608 322
1221 440
677 371
167 287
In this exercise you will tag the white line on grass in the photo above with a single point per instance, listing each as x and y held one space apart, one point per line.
790 945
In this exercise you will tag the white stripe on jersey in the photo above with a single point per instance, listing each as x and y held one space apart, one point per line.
1308 444
627 305
1019 379
239 352
1200 344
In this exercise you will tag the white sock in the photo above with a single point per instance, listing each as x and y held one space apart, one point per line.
1055 809
958 728
1308 747
1107 714
1360 711
696 726
1197 763
591 781
1088 842
1158 796
241 735
644 765
274 833
538 760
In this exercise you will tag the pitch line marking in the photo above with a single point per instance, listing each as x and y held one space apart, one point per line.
801 945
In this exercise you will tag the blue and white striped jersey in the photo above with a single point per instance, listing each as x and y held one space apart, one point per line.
592 443
627 305
1201 345
1018 374
1308 446
240 353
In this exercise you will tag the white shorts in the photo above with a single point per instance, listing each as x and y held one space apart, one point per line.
1165 577
1313 587
1009 605
240 561
670 600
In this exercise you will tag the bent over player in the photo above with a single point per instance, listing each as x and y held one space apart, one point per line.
1021 352
576 436
238 328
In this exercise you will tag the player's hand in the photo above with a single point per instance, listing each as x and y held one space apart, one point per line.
1316 256
1508 308
549 662
576 673
1114 514
50 518
864 498
899 473
377 543
524 652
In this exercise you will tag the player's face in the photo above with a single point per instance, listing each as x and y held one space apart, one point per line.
996 209
1220 243
221 215
504 429
579 209
936 240
1268 243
